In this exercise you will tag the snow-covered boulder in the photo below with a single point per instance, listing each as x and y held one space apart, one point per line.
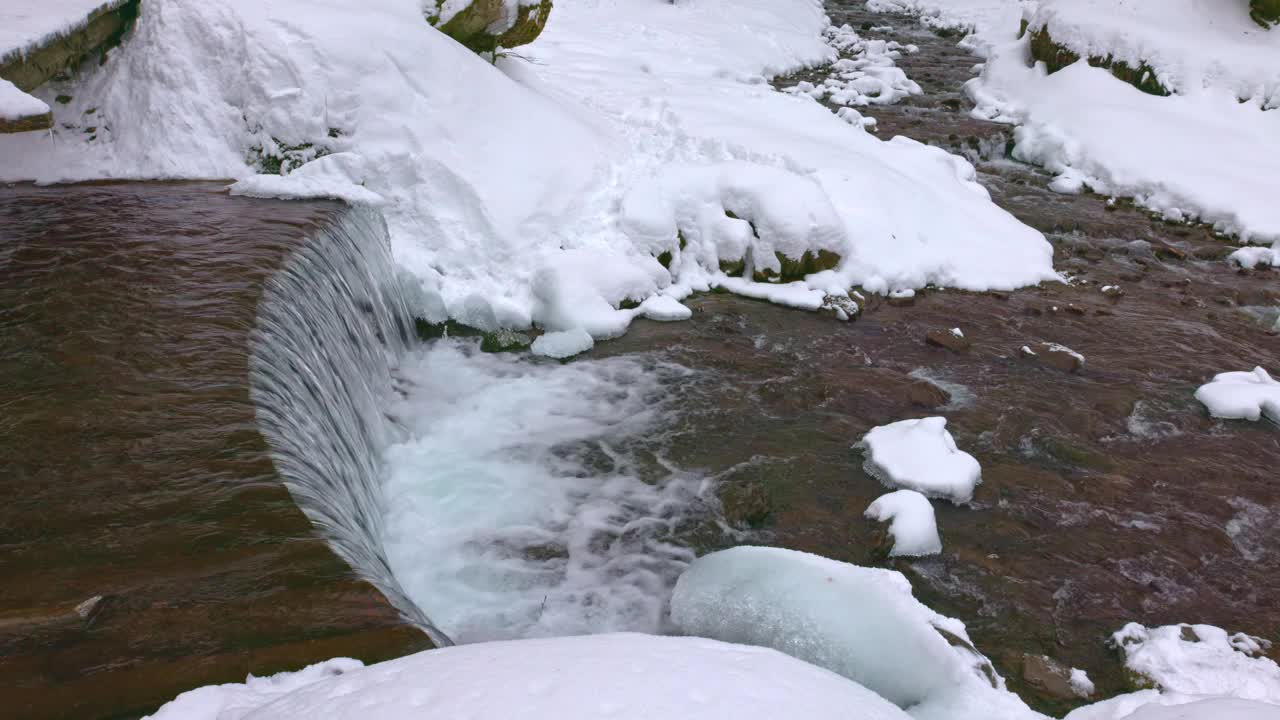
1242 396
621 677
921 455
911 523
1200 660
859 622
486 25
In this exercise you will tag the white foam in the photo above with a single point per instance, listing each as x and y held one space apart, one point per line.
521 507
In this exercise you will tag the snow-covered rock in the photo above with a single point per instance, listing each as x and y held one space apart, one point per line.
1200 660
911 522
859 622
1151 705
1197 154
1242 396
485 25
563 343
20 112
921 455
622 677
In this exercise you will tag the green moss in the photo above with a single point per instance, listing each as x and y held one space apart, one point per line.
1265 12
470 26
1056 57
504 341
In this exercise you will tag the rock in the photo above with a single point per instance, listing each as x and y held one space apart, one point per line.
1265 12
952 339
1114 292
746 501
1057 56
27 123
484 25
902 298
1049 677
923 393
1165 250
1075 309
1055 356
504 341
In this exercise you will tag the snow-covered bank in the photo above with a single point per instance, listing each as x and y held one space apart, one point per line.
491 177
625 677
27 24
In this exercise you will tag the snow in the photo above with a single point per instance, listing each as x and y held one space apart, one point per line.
1251 257
1081 685
866 73
1151 705
911 523
1201 660
621 676
1201 153
664 308
1242 396
15 104
859 622
921 455
563 344
622 107
988 21
27 24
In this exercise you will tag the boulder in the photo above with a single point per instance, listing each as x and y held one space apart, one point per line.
486 25
952 339
1265 12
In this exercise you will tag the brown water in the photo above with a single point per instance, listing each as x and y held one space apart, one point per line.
1108 495
132 465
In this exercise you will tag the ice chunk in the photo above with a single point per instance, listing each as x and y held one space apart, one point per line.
921 455
563 344
1201 660
911 522
1242 396
860 622
1080 683
619 676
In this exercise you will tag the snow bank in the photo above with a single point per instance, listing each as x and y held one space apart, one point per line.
15 104
1201 660
625 677
860 622
1190 45
921 455
1242 396
1150 705
1201 154
911 522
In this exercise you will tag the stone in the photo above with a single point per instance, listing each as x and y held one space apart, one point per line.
746 501
1114 292
1265 12
1056 57
1055 356
101 30
504 341
923 393
476 25
951 339
28 123
1167 251
1048 676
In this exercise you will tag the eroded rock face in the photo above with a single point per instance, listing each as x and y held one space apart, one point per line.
486 25
1056 56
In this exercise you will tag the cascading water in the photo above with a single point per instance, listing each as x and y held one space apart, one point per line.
487 496
331 326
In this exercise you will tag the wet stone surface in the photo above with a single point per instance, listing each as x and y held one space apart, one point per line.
133 471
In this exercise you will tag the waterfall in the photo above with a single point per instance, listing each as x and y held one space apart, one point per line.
332 325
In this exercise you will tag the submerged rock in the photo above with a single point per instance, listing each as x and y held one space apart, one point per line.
486 25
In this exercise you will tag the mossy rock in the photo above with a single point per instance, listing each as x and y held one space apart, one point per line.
1056 57
1265 12
504 341
471 25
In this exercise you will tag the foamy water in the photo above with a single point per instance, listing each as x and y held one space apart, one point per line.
532 498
